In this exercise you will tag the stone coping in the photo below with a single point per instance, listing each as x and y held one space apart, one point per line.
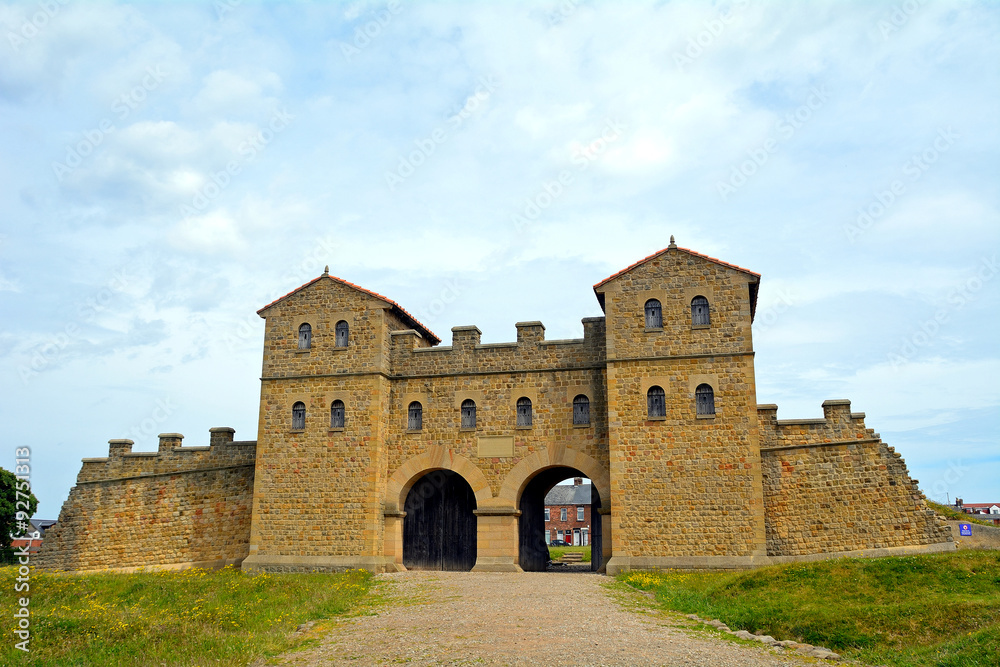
162 474
801 422
835 443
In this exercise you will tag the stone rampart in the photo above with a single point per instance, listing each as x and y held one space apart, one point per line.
831 486
176 507
467 355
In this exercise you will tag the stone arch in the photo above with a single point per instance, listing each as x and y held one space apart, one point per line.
553 457
435 458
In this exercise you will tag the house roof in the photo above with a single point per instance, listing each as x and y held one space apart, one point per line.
564 494
673 246
397 310
41 525
983 506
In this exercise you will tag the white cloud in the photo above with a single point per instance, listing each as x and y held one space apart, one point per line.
900 394
227 93
213 232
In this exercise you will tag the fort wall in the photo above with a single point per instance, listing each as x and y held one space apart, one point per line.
176 507
831 486
682 486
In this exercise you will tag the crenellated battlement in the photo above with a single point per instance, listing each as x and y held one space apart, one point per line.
838 424
362 415
467 354
171 457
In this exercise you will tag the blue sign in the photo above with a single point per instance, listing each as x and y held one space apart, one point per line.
965 529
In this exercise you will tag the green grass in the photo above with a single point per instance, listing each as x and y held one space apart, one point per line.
188 617
954 515
937 609
556 552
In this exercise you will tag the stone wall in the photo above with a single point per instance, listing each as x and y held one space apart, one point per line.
550 373
831 486
176 507
983 537
731 488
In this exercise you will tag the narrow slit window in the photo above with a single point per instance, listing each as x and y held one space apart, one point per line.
468 413
415 416
562 513
654 315
656 402
337 414
341 332
305 336
581 410
699 311
299 416
579 512
524 411
704 398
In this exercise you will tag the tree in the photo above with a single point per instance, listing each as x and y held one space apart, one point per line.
14 517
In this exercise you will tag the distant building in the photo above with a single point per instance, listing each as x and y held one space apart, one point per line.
987 511
567 513
33 538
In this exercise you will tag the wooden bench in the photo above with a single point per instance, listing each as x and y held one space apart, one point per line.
572 557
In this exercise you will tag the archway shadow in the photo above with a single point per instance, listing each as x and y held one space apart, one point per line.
533 552
439 529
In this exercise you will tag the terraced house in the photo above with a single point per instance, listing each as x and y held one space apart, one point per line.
380 448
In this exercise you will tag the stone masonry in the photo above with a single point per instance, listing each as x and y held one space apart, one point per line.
733 487
176 507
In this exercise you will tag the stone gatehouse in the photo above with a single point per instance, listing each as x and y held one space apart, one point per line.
379 448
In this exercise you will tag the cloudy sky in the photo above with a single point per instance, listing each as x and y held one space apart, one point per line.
168 169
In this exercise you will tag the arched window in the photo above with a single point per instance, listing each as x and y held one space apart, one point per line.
699 311
704 399
654 315
299 416
468 413
581 410
524 411
305 336
415 416
656 402
337 414
341 332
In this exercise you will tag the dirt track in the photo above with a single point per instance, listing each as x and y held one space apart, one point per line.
544 618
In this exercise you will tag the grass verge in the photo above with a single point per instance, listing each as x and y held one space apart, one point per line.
187 617
936 609
557 552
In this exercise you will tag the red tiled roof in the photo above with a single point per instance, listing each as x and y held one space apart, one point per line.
399 309
690 252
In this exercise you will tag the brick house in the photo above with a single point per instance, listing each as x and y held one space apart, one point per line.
982 511
567 513
33 538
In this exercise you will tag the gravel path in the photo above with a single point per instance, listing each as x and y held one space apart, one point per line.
536 618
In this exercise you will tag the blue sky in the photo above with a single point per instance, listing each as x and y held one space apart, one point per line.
168 169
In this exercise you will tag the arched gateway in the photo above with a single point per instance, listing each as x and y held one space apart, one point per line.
428 494
379 448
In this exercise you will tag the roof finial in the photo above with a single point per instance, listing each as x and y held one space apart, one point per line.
326 269
672 244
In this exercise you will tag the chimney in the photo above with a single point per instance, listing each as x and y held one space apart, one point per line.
577 481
